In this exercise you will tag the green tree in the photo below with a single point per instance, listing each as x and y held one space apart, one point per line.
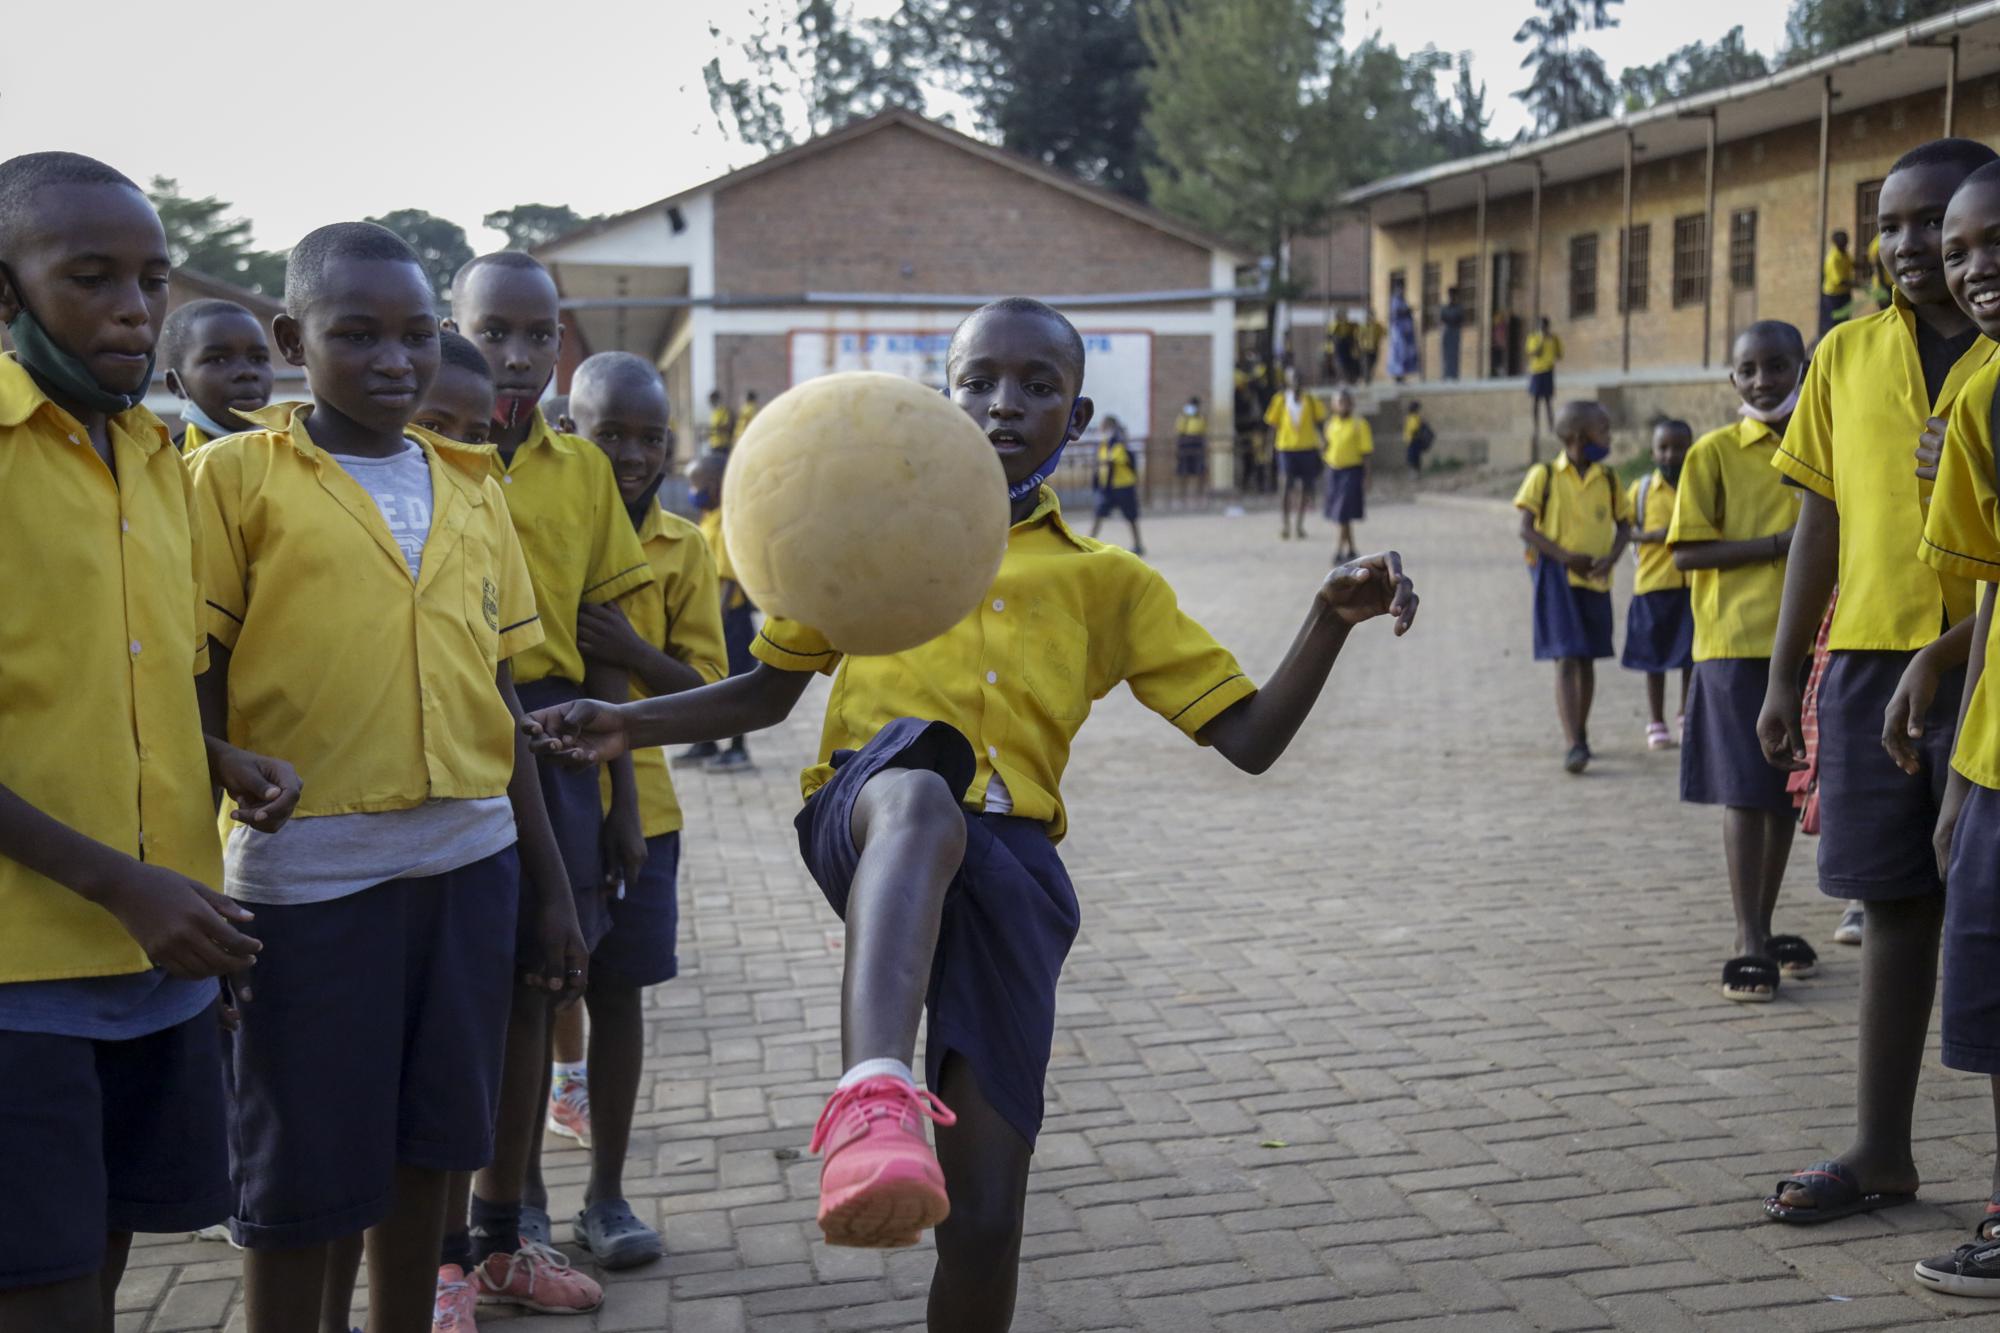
1698 67
201 235
439 242
1814 27
1061 81
810 66
1568 84
531 226
1460 124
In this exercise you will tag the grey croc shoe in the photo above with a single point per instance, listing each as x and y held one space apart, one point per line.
615 1236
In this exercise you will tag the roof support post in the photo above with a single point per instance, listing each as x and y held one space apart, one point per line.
1625 265
1423 271
1708 292
1482 292
1825 141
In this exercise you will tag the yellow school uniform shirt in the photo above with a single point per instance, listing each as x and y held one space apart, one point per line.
1412 423
1730 492
1349 441
193 437
1837 273
1114 465
1577 511
1656 572
1544 350
380 689
681 615
1295 433
718 426
743 420
1962 538
1190 429
1065 621
1369 336
99 647
710 526
1860 412
577 538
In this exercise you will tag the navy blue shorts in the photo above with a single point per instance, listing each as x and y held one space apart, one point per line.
1191 459
739 631
1972 937
1119 500
1300 465
1722 762
1569 621
373 1039
639 949
1010 917
1542 384
102 1136
1659 632
1875 820
576 814
1346 497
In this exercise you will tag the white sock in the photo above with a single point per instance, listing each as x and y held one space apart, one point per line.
565 1071
877 1069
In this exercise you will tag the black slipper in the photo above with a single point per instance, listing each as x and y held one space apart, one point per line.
1797 959
1741 978
1835 1193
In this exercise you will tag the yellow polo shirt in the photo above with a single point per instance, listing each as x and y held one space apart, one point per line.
1114 465
1577 511
710 526
1837 273
1412 423
1065 621
680 614
1190 429
1369 336
378 689
1300 432
744 416
1544 350
1962 538
1656 572
193 437
578 540
718 427
99 647
1349 441
1851 441
1730 492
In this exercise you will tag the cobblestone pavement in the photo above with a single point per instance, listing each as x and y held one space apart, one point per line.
1415 1032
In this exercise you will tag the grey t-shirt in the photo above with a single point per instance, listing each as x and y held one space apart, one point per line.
316 859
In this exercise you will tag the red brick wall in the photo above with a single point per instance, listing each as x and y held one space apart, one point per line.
899 211
761 362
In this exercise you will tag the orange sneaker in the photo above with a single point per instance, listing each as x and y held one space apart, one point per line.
569 1109
456 1304
879 1185
536 1278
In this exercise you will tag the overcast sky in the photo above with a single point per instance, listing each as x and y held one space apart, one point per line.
304 114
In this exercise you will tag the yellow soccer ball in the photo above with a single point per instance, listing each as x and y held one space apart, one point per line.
867 507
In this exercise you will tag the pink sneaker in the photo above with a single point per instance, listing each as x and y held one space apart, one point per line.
879 1185
569 1110
536 1278
456 1302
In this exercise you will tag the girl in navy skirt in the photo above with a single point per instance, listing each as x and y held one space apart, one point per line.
1659 623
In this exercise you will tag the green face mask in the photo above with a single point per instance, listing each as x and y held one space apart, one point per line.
65 374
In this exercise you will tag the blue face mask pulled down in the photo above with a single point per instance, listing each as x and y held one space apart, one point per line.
1596 453
1021 490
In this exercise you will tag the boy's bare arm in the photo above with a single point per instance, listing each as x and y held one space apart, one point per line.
1532 535
1732 554
1254 733
1957 786
544 877
1809 575
589 732
266 790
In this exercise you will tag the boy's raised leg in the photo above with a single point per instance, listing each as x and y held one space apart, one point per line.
979 1246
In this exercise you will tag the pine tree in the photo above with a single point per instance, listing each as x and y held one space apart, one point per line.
1569 85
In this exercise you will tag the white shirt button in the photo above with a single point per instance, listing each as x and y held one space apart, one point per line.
507 479
999 604
124 525
74 440
135 647
992 678
992 752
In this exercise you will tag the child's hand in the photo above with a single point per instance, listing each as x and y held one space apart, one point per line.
1930 448
1577 562
1778 727
1600 568
265 790
186 928
1374 585
578 734
623 848
1903 720
605 635
560 965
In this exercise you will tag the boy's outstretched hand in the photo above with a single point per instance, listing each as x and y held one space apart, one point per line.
578 734
1371 586
265 790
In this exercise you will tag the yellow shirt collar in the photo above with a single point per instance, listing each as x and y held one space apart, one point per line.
1749 431
21 398
1048 510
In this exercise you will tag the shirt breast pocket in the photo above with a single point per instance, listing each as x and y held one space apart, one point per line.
482 599
1055 653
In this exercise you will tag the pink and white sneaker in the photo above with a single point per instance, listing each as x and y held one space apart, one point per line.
456 1302
536 1278
569 1110
880 1185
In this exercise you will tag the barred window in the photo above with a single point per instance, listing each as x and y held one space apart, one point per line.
1583 275
1743 249
1638 266
1690 259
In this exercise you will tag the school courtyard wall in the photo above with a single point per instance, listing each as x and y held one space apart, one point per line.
1775 174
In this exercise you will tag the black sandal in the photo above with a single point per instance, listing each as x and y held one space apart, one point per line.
1795 958
1742 977
1835 1193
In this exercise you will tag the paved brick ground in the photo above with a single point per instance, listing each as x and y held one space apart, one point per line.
1416 1032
